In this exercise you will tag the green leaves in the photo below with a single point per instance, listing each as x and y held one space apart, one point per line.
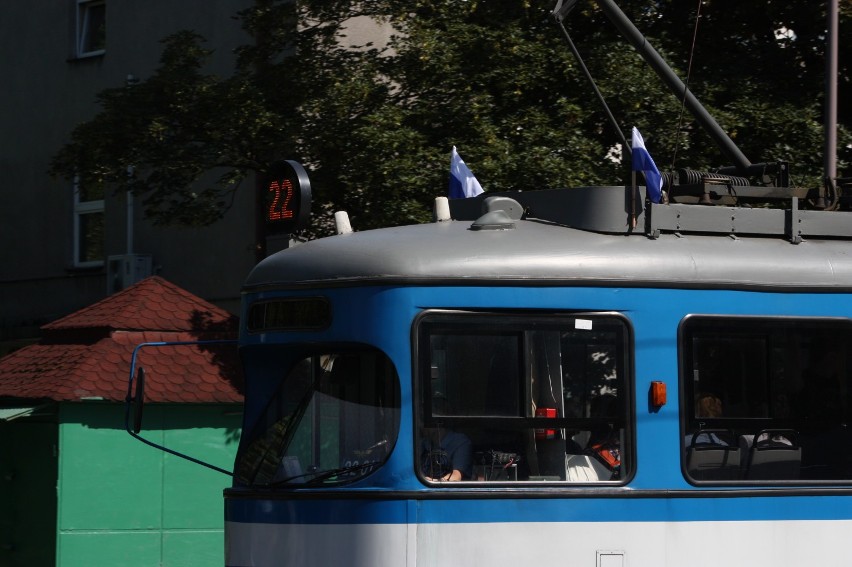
374 125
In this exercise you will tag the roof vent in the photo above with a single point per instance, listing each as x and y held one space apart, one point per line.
506 204
498 213
495 220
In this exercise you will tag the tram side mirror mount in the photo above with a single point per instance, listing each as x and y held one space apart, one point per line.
135 399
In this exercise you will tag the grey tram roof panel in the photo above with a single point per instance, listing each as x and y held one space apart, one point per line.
542 253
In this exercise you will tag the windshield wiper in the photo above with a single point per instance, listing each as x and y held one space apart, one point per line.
325 475
320 476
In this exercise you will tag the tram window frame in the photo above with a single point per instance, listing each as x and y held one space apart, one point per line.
547 439
726 402
347 421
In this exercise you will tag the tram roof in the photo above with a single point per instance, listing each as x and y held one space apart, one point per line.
536 252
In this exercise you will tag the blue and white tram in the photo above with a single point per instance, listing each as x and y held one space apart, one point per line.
537 382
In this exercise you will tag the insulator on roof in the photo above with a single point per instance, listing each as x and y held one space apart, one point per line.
341 222
441 211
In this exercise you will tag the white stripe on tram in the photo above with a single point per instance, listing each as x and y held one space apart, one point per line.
598 544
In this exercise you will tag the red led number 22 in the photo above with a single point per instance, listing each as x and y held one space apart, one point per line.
280 209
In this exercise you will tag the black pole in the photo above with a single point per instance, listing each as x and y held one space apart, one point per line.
831 94
658 64
624 145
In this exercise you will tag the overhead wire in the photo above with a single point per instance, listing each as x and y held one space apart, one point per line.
686 84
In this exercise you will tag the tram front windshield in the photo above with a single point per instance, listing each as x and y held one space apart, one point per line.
333 419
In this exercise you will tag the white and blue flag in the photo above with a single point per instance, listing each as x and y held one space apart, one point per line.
462 182
643 162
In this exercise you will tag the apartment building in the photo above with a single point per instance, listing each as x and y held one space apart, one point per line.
63 249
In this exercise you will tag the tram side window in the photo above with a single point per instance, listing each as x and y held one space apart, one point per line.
767 400
334 418
511 398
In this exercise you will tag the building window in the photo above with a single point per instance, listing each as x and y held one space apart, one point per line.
91 27
766 400
88 225
523 399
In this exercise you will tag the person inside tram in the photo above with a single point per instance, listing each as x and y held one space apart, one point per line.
710 406
445 455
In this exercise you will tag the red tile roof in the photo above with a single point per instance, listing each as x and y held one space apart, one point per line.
153 304
87 355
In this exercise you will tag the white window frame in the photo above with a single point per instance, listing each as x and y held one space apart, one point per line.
83 208
83 28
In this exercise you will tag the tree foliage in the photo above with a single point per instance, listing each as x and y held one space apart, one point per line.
374 124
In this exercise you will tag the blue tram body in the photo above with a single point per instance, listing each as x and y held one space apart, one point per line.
539 381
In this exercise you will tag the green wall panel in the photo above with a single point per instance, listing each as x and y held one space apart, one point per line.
122 502
107 479
193 549
192 495
115 549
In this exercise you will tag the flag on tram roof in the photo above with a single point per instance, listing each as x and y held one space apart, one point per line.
643 162
463 184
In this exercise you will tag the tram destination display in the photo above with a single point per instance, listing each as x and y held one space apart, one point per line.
287 202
